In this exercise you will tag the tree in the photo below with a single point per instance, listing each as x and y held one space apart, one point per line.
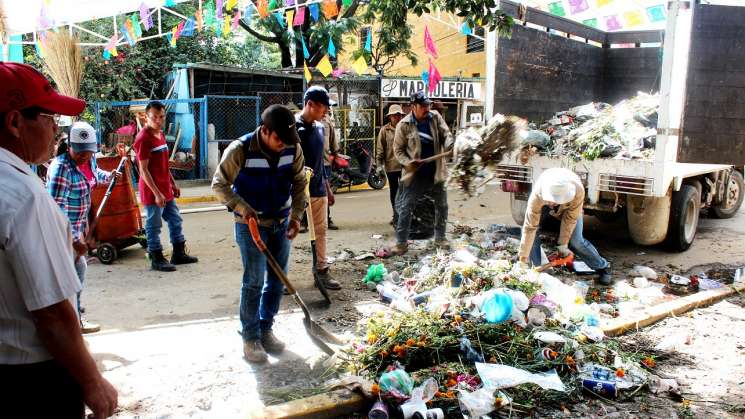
392 35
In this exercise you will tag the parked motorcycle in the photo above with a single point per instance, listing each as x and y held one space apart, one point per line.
343 175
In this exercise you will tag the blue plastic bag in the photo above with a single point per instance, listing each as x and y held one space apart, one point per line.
497 307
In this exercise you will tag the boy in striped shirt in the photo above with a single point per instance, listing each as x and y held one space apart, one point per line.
158 192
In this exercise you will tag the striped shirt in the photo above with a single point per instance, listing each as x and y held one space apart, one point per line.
36 260
72 192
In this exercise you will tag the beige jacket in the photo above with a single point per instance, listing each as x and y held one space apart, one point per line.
232 162
408 147
568 213
384 155
330 145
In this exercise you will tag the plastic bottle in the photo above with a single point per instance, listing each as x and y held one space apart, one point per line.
387 292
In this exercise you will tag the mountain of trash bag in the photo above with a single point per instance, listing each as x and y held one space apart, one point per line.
598 130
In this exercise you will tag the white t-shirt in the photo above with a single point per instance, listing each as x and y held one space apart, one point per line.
36 260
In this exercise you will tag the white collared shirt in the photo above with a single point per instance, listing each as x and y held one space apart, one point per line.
36 260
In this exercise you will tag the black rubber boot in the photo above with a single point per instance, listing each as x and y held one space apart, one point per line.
180 257
604 276
158 262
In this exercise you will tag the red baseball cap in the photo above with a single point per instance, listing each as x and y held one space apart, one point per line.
22 86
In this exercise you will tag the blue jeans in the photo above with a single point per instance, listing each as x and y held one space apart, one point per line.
154 222
261 291
406 200
577 244
81 266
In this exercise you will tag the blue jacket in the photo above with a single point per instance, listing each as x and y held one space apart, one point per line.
311 140
265 183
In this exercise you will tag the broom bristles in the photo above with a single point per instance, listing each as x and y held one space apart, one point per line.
3 25
64 62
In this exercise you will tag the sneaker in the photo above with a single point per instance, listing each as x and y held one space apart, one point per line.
253 351
332 226
604 276
328 281
88 327
271 344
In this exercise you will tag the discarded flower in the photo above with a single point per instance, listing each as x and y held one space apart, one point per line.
375 389
620 373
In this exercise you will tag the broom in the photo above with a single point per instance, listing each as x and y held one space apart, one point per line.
64 62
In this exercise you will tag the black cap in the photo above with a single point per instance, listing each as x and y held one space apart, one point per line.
421 98
319 95
279 119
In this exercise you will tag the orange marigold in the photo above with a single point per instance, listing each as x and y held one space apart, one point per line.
498 402
410 342
620 373
375 389
649 362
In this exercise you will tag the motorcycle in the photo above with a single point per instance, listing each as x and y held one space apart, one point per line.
344 175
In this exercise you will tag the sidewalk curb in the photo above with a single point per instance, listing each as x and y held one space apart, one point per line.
340 402
196 199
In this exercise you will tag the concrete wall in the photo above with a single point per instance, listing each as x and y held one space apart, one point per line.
714 121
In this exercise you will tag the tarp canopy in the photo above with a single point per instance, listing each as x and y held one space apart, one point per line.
24 16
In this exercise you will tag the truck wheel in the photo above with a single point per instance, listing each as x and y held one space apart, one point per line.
684 214
732 197
518 208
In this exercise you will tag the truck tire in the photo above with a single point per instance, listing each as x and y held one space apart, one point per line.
684 215
518 208
732 197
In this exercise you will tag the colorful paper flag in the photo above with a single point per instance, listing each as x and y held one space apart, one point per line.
218 9
330 10
465 29
299 17
591 22
136 25
106 54
429 44
188 29
331 48
127 35
425 78
145 17
171 39
602 3
656 13
612 23
290 14
434 77
180 28
306 54
308 76
633 18
272 5
170 3
236 19
368 41
338 72
111 46
578 6
324 66
263 9
226 26
280 18
360 65
347 3
314 11
208 14
289 3
230 4
556 8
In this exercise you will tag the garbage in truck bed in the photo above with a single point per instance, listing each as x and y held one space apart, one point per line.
627 130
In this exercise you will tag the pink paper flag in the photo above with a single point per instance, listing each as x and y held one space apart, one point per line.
145 17
434 77
179 29
299 17
429 44
236 18
337 73
578 6
612 23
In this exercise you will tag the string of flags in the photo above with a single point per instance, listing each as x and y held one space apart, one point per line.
611 19
431 77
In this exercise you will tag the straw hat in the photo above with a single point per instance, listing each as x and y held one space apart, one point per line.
395 110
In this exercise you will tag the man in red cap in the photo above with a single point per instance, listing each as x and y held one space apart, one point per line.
45 367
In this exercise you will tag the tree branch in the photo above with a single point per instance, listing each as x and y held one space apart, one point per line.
257 35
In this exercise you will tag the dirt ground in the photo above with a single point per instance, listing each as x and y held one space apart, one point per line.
170 345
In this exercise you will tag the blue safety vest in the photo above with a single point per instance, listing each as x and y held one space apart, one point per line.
266 187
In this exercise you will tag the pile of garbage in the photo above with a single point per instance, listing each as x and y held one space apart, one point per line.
476 150
470 332
627 130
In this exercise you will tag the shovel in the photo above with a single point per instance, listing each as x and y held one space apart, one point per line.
317 334
312 231
565 261
411 168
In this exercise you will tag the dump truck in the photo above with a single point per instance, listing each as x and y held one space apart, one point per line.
697 64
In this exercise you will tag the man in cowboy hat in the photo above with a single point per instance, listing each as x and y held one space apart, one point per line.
385 158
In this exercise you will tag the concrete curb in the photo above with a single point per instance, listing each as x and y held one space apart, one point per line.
196 199
342 402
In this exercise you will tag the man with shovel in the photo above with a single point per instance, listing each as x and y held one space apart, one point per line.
261 176
421 135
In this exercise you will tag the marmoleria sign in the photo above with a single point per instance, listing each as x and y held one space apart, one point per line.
444 90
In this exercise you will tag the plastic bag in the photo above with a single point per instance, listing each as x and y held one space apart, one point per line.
549 337
396 381
375 273
498 376
536 138
419 397
467 348
497 307
480 402
644 271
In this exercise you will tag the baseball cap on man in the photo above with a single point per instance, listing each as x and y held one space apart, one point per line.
22 87
83 137
279 119
319 95
421 98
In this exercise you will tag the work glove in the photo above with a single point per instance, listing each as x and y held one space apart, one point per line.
564 250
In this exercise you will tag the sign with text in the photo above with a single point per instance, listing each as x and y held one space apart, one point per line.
444 90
